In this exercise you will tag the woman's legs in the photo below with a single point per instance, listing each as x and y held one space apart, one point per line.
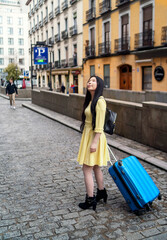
88 177
99 177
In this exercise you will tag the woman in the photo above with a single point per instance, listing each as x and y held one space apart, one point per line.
93 152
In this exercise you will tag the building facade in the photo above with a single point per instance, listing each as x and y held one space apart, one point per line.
58 23
125 42
13 34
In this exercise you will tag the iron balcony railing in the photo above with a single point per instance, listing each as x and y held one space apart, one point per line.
40 2
37 26
64 5
36 7
29 14
121 2
57 11
164 36
33 29
91 14
30 32
51 15
144 39
105 48
104 7
73 30
41 23
51 40
64 63
57 64
32 11
73 1
122 44
46 20
90 51
64 34
57 38
73 61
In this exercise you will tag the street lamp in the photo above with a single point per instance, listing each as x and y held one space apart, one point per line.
50 77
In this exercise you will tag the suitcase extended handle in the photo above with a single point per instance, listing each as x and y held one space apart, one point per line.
109 149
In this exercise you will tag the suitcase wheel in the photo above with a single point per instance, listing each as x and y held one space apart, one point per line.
148 207
159 197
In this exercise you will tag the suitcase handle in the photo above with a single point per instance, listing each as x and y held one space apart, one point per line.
111 152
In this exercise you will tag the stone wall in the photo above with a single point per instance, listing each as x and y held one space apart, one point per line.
22 93
143 122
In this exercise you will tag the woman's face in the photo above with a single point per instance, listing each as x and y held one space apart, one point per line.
92 84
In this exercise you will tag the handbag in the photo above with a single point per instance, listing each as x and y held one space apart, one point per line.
109 124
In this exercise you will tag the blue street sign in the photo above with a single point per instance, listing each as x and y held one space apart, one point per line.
40 55
26 73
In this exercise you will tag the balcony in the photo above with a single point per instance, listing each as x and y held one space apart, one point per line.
164 36
122 44
40 2
51 40
57 64
104 7
41 23
51 15
32 11
33 29
91 14
57 38
90 51
64 34
64 63
144 39
36 7
73 61
29 14
46 20
105 48
37 26
121 2
64 5
30 32
73 1
57 11
73 31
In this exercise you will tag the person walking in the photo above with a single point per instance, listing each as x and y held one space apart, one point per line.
93 151
11 90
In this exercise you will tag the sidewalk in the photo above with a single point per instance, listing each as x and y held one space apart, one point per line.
143 152
17 98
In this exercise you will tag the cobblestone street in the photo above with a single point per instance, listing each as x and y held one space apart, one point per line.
41 185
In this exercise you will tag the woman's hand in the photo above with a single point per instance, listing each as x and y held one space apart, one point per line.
93 147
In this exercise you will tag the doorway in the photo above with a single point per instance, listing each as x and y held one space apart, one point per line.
147 78
126 77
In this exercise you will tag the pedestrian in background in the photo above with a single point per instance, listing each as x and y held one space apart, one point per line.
93 151
11 90
63 88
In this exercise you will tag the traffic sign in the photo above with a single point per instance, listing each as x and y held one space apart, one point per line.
40 55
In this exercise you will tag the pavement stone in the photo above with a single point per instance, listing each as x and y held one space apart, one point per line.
41 185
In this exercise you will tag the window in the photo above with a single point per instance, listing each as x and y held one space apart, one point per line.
1 19
21 51
92 36
20 31
41 16
124 32
1 51
11 60
1 70
147 26
66 52
21 61
11 51
52 32
59 56
1 40
1 61
10 41
66 24
21 41
58 27
9 20
146 78
20 21
1 30
43 81
92 70
10 31
107 76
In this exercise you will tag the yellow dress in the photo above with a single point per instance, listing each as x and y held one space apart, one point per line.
101 156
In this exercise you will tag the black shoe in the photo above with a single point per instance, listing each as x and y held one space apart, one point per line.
89 202
101 194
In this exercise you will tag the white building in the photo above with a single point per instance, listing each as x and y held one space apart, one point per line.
58 23
13 34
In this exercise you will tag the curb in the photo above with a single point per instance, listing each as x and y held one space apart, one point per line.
142 156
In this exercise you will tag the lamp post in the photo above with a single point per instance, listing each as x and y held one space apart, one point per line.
50 65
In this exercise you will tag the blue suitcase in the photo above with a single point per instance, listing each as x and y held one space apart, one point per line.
134 183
